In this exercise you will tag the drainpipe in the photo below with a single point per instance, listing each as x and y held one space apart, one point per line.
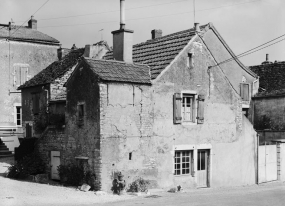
257 160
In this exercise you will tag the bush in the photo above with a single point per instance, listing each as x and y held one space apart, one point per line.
31 164
139 185
75 175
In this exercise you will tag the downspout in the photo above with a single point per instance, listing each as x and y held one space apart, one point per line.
257 160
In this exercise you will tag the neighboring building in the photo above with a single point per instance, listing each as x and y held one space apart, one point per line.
163 110
44 97
268 104
24 52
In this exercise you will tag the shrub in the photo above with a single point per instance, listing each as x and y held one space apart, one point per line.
75 175
31 164
139 185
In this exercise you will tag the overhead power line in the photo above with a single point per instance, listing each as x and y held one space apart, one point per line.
150 16
105 12
251 51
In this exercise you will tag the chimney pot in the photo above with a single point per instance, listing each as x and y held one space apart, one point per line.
267 57
156 33
197 27
32 23
122 14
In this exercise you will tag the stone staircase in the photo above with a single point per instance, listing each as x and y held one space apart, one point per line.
4 151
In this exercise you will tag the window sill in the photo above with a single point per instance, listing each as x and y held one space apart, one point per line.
185 175
189 123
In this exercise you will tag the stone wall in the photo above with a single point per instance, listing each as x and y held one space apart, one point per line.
52 139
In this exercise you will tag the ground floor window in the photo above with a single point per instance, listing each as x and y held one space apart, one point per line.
182 162
19 115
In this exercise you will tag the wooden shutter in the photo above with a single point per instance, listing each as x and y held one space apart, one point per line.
18 76
23 71
177 119
200 112
244 91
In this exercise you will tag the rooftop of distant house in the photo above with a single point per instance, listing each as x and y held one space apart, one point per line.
271 77
26 33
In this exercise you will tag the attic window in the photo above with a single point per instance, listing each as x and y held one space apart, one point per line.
190 60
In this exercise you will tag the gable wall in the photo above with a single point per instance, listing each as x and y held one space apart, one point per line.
232 69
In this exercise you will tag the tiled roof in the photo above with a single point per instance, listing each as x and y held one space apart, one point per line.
109 70
55 70
27 34
271 78
160 52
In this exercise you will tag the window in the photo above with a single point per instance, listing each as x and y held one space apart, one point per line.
36 103
190 60
244 91
245 111
188 108
80 114
19 116
183 162
21 74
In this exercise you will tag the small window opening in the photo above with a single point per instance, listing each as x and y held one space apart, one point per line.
130 156
190 60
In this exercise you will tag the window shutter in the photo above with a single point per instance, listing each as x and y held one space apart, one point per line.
18 76
244 92
23 71
177 119
200 112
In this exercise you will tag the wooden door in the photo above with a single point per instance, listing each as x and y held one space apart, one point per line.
55 162
202 168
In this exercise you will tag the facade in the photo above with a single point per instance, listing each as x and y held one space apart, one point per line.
24 52
44 99
179 122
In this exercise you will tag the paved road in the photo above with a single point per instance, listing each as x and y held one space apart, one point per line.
262 195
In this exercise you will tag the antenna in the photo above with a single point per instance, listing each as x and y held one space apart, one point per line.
194 10
101 30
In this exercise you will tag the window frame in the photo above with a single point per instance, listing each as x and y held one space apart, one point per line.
194 111
17 105
249 91
190 162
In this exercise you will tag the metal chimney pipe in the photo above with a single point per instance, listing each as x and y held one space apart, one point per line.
267 57
197 27
122 14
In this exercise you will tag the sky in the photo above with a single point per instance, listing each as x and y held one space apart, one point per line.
244 24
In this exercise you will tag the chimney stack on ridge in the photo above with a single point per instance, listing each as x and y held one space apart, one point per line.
32 23
156 33
123 39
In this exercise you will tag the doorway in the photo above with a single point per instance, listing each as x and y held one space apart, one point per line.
55 162
203 162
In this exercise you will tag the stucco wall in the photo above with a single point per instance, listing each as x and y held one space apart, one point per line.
232 69
269 113
152 141
35 56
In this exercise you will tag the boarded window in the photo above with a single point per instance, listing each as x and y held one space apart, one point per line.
200 112
28 130
36 103
183 162
244 91
177 108
21 75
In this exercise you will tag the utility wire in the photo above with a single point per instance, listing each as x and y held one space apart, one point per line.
10 35
80 15
252 51
150 16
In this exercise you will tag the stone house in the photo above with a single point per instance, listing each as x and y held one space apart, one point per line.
165 110
44 98
24 51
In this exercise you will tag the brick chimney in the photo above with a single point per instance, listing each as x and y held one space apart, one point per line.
156 33
32 23
197 27
123 39
61 52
